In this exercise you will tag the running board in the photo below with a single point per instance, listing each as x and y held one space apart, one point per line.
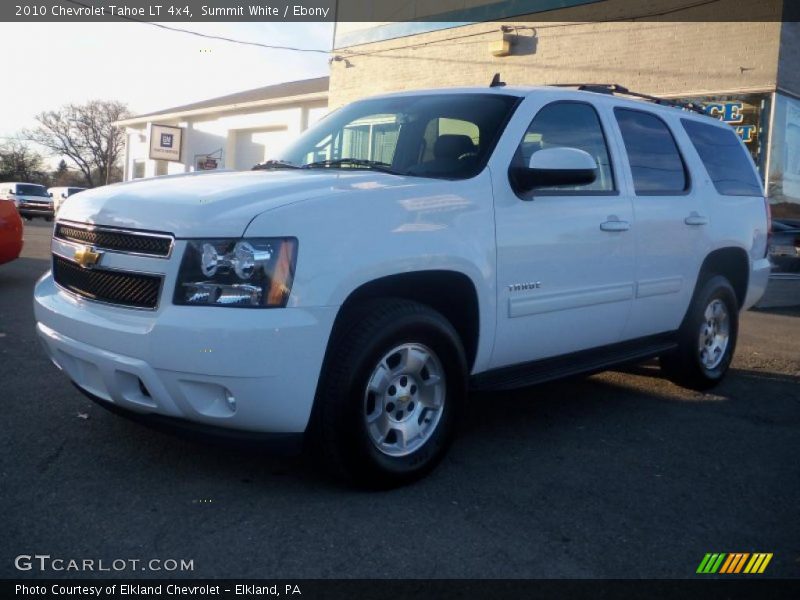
577 363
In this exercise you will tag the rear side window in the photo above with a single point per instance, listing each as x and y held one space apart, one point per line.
725 159
656 163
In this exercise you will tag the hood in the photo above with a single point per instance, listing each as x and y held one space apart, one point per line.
218 204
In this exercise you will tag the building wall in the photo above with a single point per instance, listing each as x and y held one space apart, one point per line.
668 58
789 64
218 134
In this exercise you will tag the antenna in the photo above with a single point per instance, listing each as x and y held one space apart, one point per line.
496 81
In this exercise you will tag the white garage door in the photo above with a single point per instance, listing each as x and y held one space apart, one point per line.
257 145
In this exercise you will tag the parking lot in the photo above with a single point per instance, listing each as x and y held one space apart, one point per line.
619 475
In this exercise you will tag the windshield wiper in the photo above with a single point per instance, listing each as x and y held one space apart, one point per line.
360 163
274 164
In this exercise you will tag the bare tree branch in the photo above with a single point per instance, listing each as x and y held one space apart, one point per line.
19 163
85 134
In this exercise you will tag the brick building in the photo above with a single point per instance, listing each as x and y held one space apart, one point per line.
741 60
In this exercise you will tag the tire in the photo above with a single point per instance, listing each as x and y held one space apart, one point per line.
707 337
379 380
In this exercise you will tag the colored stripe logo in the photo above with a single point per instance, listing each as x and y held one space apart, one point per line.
734 563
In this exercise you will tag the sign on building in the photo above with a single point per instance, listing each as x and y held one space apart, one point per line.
165 142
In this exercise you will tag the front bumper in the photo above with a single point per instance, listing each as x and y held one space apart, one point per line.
186 363
36 210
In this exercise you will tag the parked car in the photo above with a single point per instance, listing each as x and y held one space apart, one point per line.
784 247
404 250
10 232
31 199
59 194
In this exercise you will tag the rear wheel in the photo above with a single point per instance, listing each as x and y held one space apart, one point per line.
707 338
395 376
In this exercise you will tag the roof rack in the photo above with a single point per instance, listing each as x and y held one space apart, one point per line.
615 88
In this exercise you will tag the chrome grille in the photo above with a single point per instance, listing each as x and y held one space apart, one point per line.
137 290
116 240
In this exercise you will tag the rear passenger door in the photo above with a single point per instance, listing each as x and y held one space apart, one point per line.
670 221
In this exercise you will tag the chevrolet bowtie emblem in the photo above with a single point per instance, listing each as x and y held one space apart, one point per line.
87 256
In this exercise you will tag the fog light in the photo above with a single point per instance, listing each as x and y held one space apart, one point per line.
230 400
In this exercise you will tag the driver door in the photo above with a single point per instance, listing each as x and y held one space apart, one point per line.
565 255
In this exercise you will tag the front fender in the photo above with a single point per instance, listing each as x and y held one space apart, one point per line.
348 240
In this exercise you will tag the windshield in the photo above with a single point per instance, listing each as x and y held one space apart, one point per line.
443 135
29 189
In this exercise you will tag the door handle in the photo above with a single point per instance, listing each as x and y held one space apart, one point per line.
696 219
615 225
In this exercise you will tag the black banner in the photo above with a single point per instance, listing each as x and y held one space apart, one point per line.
397 11
377 589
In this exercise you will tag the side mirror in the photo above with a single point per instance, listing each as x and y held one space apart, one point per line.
556 166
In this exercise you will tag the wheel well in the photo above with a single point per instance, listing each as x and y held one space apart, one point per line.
448 292
731 263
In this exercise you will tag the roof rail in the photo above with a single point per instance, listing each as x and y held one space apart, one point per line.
615 88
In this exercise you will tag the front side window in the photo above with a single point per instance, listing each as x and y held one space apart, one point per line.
570 125
656 164
725 159
446 136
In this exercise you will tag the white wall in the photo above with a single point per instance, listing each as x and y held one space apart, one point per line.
247 131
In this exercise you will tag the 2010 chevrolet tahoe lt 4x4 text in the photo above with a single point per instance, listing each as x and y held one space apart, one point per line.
403 250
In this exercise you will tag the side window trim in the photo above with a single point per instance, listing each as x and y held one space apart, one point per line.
688 187
611 162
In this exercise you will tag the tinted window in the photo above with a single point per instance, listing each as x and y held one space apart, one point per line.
656 164
571 125
726 161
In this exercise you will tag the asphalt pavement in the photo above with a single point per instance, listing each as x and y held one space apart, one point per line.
620 475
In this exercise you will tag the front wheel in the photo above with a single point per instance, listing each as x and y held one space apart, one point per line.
394 379
707 338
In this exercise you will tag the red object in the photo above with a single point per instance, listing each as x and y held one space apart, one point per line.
10 232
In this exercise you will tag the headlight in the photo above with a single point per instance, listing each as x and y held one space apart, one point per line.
255 272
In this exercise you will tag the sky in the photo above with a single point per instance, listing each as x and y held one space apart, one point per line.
146 67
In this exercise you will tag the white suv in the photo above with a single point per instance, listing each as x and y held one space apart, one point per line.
406 249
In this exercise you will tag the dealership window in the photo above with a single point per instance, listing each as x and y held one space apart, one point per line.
138 169
162 168
656 163
784 167
371 138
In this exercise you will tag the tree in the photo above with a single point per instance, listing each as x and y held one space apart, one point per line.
64 176
19 163
86 135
